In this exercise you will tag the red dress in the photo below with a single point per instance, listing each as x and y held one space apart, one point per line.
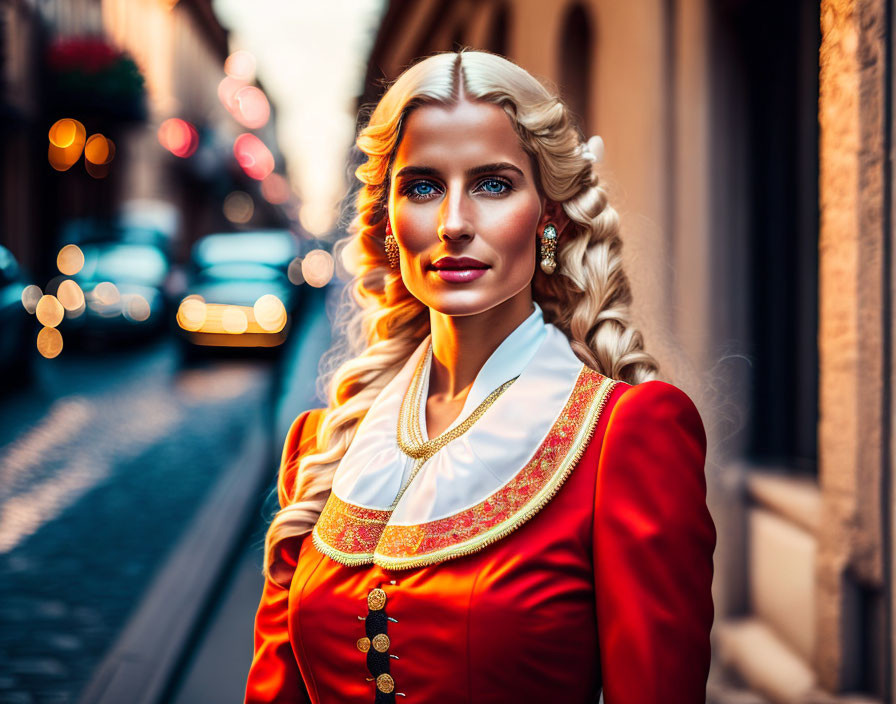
605 584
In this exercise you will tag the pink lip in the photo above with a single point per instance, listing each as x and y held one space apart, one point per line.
458 269
458 263
460 275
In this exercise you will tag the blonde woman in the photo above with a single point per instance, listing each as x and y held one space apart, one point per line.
501 503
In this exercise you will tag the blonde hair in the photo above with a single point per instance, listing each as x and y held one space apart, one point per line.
588 297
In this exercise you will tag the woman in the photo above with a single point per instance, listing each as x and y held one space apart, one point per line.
500 502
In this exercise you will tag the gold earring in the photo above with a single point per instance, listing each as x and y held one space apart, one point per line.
391 245
548 249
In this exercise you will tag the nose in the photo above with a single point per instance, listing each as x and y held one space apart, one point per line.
454 221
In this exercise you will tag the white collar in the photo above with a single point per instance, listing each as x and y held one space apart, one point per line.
554 389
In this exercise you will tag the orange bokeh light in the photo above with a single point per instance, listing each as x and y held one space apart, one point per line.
49 342
179 137
67 138
253 156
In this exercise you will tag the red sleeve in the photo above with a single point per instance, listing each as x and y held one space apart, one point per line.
274 676
653 546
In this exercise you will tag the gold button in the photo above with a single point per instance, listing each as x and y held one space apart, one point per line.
363 644
376 599
381 643
385 683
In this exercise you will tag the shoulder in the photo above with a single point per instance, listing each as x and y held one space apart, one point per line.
655 405
300 440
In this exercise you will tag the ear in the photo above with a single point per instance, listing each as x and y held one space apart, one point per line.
552 212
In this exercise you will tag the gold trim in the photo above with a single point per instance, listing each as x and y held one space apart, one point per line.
538 501
363 534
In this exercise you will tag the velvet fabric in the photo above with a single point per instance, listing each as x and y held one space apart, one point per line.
607 586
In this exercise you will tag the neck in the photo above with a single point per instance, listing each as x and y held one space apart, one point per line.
461 344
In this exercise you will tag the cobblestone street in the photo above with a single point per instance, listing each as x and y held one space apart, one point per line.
102 464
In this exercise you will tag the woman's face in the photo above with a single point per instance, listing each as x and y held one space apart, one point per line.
464 208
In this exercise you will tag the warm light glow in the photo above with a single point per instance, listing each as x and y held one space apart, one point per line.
276 189
316 218
251 107
30 296
106 293
227 90
270 313
253 156
67 139
98 149
191 313
49 311
70 295
294 272
239 207
137 308
234 320
49 342
240 65
179 137
63 133
317 268
70 259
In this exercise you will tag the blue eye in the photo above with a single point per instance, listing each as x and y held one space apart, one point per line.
422 189
496 186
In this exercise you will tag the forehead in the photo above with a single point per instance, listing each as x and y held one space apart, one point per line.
465 134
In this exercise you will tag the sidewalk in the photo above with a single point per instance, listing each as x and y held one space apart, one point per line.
190 639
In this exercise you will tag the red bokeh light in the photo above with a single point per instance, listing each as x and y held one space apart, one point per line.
179 137
253 156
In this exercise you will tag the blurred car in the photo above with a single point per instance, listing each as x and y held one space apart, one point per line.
238 292
18 329
123 292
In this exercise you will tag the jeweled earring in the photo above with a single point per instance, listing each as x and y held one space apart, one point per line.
391 247
548 249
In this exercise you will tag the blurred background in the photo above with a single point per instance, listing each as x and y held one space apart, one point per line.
173 179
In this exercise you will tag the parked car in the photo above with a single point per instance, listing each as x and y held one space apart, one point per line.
238 292
123 286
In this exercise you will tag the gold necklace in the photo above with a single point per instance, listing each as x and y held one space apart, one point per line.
409 423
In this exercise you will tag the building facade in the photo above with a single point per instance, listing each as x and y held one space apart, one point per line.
748 152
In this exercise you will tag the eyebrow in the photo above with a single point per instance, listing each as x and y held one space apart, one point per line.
475 171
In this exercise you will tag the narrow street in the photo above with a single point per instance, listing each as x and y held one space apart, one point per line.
103 461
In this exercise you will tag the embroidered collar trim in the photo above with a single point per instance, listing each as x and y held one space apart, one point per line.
353 535
480 486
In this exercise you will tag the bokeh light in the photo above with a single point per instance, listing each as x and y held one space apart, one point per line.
98 155
251 108
67 138
30 296
49 311
240 65
191 313
137 308
239 207
234 320
70 259
294 271
270 313
70 295
317 268
179 137
253 156
276 189
49 342
227 90
106 293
